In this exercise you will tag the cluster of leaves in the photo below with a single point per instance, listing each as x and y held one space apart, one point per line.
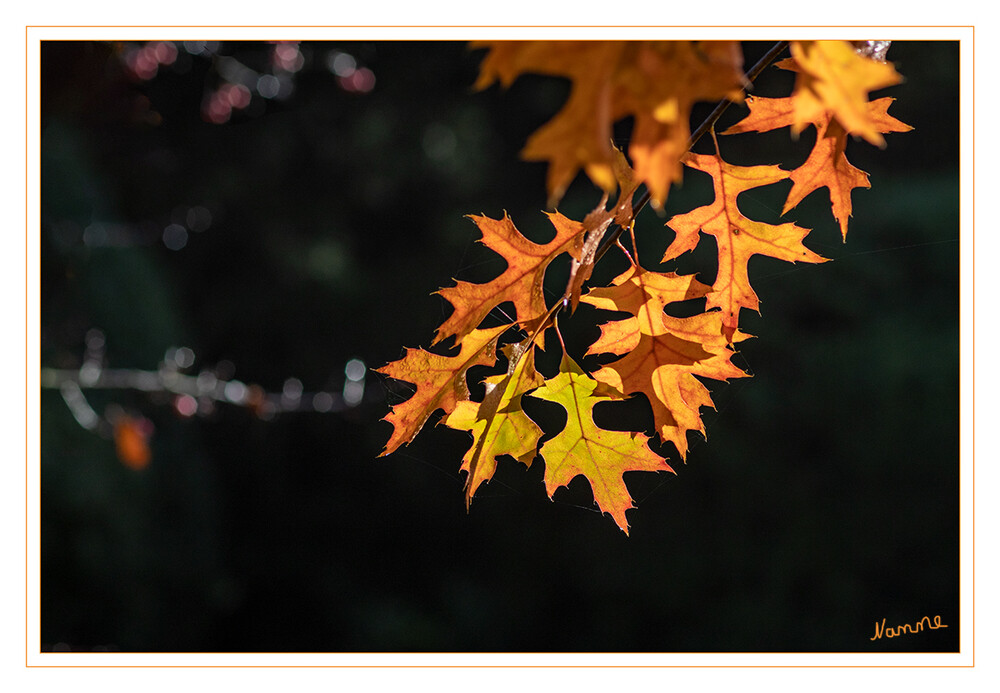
662 357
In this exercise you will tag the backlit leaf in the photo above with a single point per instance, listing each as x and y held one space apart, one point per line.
827 165
440 382
582 448
498 424
654 82
833 76
737 237
521 282
663 353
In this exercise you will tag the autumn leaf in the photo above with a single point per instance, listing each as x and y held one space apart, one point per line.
439 380
661 84
827 165
655 82
580 135
498 424
663 353
581 448
833 76
635 289
659 356
521 282
131 435
596 224
738 238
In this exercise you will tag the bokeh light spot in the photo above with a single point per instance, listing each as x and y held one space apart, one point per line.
236 392
268 86
355 369
354 392
175 236
184 357
165 52
322 402
198 218
360 81
206 382
291 393
237 95
288 57
186 405
341 64
218 109
94 339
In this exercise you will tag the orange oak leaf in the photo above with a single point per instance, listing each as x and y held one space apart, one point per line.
521 282
738 238
834 76
579 136
498 424
581 448
663 353
655 82
661 83
827 165
439 380
634 289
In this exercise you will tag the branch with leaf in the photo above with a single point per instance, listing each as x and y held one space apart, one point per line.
656 83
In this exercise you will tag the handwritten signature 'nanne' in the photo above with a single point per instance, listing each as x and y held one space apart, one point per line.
904 628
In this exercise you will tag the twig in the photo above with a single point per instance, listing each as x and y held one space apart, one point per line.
612 238
194 394
712 118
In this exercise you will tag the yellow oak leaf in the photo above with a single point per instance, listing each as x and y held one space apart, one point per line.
834 76
498 424
581 448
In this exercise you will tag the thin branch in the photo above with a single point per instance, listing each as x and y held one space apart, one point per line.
612 238
710 121
720 108
195 394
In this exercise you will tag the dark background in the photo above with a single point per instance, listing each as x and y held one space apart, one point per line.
825 499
